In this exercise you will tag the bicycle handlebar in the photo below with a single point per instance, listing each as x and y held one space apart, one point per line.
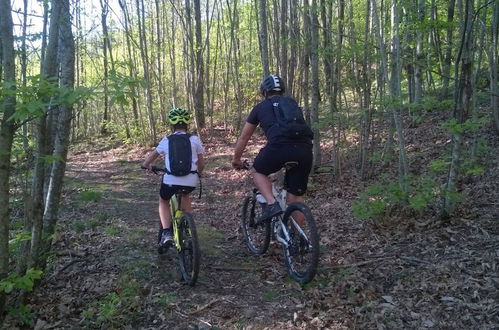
155 169
247 165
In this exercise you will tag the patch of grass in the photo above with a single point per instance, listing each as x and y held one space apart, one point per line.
22 315
165 300
116 308
138 268
112 230
343 273
270 295
82 225
136 235
208 239
90 196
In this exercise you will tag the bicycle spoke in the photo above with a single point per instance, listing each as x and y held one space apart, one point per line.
302 251
257 236
188 255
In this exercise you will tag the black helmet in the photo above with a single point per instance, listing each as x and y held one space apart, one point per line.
272 83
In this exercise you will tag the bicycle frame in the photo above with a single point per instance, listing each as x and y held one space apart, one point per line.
176 213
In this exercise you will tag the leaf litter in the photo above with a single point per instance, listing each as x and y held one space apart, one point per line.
105 272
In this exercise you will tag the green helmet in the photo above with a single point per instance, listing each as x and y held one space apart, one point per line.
177 115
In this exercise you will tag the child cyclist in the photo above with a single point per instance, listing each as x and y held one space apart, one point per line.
179 119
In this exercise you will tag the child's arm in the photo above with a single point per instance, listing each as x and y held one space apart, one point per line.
150 158
200 163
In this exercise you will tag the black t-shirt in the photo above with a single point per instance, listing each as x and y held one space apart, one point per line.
263 115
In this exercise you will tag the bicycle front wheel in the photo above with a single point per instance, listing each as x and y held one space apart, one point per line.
188 255
257 237
302 252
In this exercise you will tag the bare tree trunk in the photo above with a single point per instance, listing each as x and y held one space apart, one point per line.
67 47
366 96
104 11
159 64
461 107
199 82
132 71
145 65
171 52
283 44
49 70
294 38
263 36
306 62
395 93
494 88
448 51
7 130
314 111
418 68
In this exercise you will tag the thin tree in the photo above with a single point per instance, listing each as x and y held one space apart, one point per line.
461 105
494 88
67 70
7 129
314 60
49 72
263 36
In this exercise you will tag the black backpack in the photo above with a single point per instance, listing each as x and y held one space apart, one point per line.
289 119
180 155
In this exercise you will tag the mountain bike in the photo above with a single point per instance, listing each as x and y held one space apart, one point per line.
294 230
185 239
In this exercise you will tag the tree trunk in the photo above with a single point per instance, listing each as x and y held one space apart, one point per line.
263 37
199 82
396 94
145 64
314 110
461 107
418 68
7 130
49 70
67 52
448 51
494 88
104 11
366 97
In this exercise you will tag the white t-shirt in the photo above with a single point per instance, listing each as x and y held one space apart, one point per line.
189 180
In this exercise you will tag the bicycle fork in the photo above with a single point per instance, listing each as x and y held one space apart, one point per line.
282 233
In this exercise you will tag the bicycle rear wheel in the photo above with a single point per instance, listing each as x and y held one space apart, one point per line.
189 255
257 237
302 253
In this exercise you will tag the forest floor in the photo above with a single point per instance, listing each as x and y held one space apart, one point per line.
393 274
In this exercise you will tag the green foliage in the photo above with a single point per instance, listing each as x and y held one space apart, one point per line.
380 197
34 99
116 308
165 299
90 196
25 282
81 226
22 314
112 230
468 126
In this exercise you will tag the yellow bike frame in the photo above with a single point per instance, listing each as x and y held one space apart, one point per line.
176 214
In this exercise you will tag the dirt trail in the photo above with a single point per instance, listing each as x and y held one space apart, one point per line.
106 272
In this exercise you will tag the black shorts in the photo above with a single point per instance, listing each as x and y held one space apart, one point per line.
168 190
273 156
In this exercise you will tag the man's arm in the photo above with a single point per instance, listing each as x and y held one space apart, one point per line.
241 143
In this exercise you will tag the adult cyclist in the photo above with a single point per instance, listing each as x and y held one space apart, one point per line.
278 150
179 119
